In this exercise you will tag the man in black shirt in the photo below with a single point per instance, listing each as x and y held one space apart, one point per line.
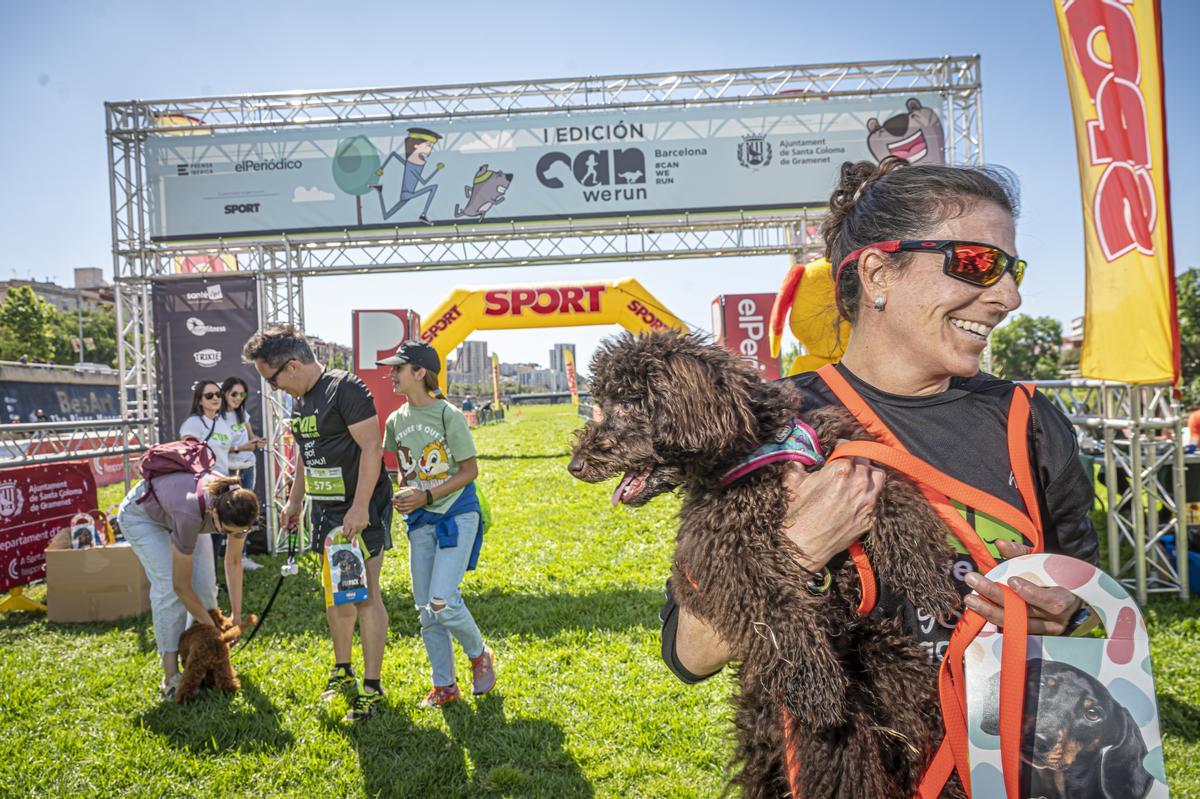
337 430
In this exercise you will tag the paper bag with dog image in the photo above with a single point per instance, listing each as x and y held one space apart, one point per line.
343 570
1080 718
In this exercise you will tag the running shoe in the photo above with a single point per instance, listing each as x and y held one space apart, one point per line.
440 696
365 705
483 672
339 682
166 691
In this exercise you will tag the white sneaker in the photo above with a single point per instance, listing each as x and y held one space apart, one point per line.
166 691
249 565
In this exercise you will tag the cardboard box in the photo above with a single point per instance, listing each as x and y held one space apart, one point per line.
99 584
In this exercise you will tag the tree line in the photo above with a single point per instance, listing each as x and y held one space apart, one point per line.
35 330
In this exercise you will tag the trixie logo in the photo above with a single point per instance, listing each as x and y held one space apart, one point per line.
1124 208
646 315
567 299
443 322
207 358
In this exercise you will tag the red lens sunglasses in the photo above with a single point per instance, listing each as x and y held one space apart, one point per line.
969 261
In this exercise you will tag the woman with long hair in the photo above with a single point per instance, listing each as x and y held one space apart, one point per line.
206 423
242 459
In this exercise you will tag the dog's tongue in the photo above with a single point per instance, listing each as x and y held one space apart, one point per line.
625 481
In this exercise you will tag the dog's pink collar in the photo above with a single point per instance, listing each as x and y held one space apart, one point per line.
797 442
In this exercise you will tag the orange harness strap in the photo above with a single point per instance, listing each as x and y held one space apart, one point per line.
938 488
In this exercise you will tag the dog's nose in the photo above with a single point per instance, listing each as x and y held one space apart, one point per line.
575 467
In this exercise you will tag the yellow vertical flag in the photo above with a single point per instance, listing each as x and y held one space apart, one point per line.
569 366
495 381
1113 56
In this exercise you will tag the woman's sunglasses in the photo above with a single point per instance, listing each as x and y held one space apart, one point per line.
969 261
237 394
210 394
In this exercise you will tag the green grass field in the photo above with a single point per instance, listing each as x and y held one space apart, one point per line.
567 593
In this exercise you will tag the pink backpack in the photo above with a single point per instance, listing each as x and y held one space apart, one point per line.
189 454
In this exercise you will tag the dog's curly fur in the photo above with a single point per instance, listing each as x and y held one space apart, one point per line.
204 656
860 692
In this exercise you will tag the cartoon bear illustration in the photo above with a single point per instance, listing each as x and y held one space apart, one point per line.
485 192
434 463
915 136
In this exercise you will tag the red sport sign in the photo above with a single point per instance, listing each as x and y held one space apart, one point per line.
547 300
35 503
740 325
377 334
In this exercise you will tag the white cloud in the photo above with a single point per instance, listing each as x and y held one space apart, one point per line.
313 195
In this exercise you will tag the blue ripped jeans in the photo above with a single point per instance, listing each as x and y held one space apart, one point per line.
437 574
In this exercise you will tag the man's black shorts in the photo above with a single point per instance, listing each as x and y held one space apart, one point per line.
378 535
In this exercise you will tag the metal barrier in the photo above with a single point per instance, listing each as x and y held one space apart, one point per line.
52 442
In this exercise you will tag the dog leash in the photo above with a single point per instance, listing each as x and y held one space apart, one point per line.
286 570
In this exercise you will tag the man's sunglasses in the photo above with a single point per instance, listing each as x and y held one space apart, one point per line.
211 394
271 380
969 261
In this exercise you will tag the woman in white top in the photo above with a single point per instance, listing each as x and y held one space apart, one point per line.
206 423
241 451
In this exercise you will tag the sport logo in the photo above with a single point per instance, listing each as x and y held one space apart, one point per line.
207 358
11 499
197 327
754 152
242 208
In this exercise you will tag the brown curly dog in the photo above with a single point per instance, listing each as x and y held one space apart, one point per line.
860 694
204 656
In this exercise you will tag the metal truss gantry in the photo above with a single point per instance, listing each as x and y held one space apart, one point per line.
281 263
1139 430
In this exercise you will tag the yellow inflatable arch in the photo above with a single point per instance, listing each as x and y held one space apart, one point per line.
622 302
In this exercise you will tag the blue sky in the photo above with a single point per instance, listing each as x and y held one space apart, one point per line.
60 60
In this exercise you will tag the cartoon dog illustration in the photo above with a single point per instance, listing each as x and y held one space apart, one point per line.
485 192
350 574
915 136
1080 742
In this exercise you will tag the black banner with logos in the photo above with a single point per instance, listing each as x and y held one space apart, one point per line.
200 327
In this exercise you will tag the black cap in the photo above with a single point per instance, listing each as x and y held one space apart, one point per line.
418 353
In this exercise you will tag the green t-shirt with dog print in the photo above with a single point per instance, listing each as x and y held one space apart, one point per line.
429 443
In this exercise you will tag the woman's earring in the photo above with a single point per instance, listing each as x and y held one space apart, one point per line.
880 301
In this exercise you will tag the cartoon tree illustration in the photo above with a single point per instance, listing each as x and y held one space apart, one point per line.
355 166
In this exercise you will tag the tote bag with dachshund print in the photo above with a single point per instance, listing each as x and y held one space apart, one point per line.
1089 725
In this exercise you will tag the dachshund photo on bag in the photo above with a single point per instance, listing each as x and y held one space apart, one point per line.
349 568
829 703
1079 742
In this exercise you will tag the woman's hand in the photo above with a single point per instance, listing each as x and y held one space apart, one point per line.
408 499
829 509
1050 609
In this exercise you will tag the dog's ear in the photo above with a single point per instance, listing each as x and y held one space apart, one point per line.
1121 771
695 409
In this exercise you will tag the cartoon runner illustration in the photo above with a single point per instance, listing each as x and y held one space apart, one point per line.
417 146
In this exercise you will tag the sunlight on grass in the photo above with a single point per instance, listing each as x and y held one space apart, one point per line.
567 592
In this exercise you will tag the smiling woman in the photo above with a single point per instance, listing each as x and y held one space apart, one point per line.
927 267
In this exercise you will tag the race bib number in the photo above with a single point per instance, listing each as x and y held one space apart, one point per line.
325 484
